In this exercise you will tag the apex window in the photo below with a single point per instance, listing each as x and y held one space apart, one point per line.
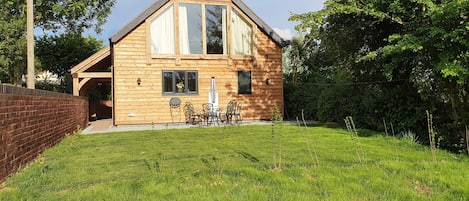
162 32
215 18
190 28
202 29
197 25
241 34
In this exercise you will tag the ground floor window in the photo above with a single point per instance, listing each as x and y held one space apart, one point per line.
180 82
244 82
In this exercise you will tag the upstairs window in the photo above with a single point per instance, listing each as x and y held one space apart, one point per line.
162 33
190 28
216 29
202 30
241 32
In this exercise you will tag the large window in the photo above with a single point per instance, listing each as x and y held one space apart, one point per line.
202 31
216 29
162 33
244 82
241 32
190 28
180 82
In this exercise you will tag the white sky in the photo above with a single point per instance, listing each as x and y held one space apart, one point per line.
274 12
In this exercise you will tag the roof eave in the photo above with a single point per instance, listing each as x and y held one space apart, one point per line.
137 21
260 23
160 3
91 60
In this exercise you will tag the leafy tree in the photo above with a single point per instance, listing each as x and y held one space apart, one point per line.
12 41
72 15
59 53
50 15
399 58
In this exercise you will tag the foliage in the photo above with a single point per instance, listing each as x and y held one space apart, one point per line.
71 15
298 97
59 53
392 60
233 163
66 16
12 41
101 92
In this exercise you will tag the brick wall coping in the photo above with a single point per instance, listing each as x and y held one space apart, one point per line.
6 89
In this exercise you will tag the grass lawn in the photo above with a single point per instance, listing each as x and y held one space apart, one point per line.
240 163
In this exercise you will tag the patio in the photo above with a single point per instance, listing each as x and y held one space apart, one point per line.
105 126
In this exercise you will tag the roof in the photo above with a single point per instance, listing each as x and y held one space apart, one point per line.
160 3
101 58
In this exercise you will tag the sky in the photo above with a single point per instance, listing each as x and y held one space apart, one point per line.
274 12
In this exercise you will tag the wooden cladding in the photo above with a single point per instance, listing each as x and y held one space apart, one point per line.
146 103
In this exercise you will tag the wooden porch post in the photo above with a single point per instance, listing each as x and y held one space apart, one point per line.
76 86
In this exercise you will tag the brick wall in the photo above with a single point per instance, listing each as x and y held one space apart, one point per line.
34 120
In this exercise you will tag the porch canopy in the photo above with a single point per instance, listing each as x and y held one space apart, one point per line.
95 69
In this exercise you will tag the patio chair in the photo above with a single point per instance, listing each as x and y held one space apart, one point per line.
237 113
192 117
230 111
206 113
174 108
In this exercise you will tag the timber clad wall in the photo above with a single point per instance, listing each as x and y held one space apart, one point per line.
32 121
149 105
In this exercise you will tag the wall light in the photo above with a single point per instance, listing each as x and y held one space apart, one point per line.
139 81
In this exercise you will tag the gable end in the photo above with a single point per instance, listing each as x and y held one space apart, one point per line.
160 3
138 20
260 23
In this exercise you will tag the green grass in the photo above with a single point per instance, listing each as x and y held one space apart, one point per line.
236 163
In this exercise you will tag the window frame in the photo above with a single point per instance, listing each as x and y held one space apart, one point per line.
224 28
177 35
149 23
186 83
240 14
241 90
202 27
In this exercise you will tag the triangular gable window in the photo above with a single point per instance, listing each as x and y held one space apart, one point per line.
162 33
241 32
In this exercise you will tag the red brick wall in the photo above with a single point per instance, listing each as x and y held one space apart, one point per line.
32 121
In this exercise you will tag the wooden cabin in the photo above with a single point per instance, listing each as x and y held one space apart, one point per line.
192 50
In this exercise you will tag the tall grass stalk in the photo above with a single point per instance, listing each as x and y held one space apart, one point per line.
311 148
409 137
431 135
214 164
276 134
392 130
387 134
394 136
467 140
354 135
385 126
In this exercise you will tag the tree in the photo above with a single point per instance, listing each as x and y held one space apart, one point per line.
59 53
72 15
400 57
12 41
50 15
